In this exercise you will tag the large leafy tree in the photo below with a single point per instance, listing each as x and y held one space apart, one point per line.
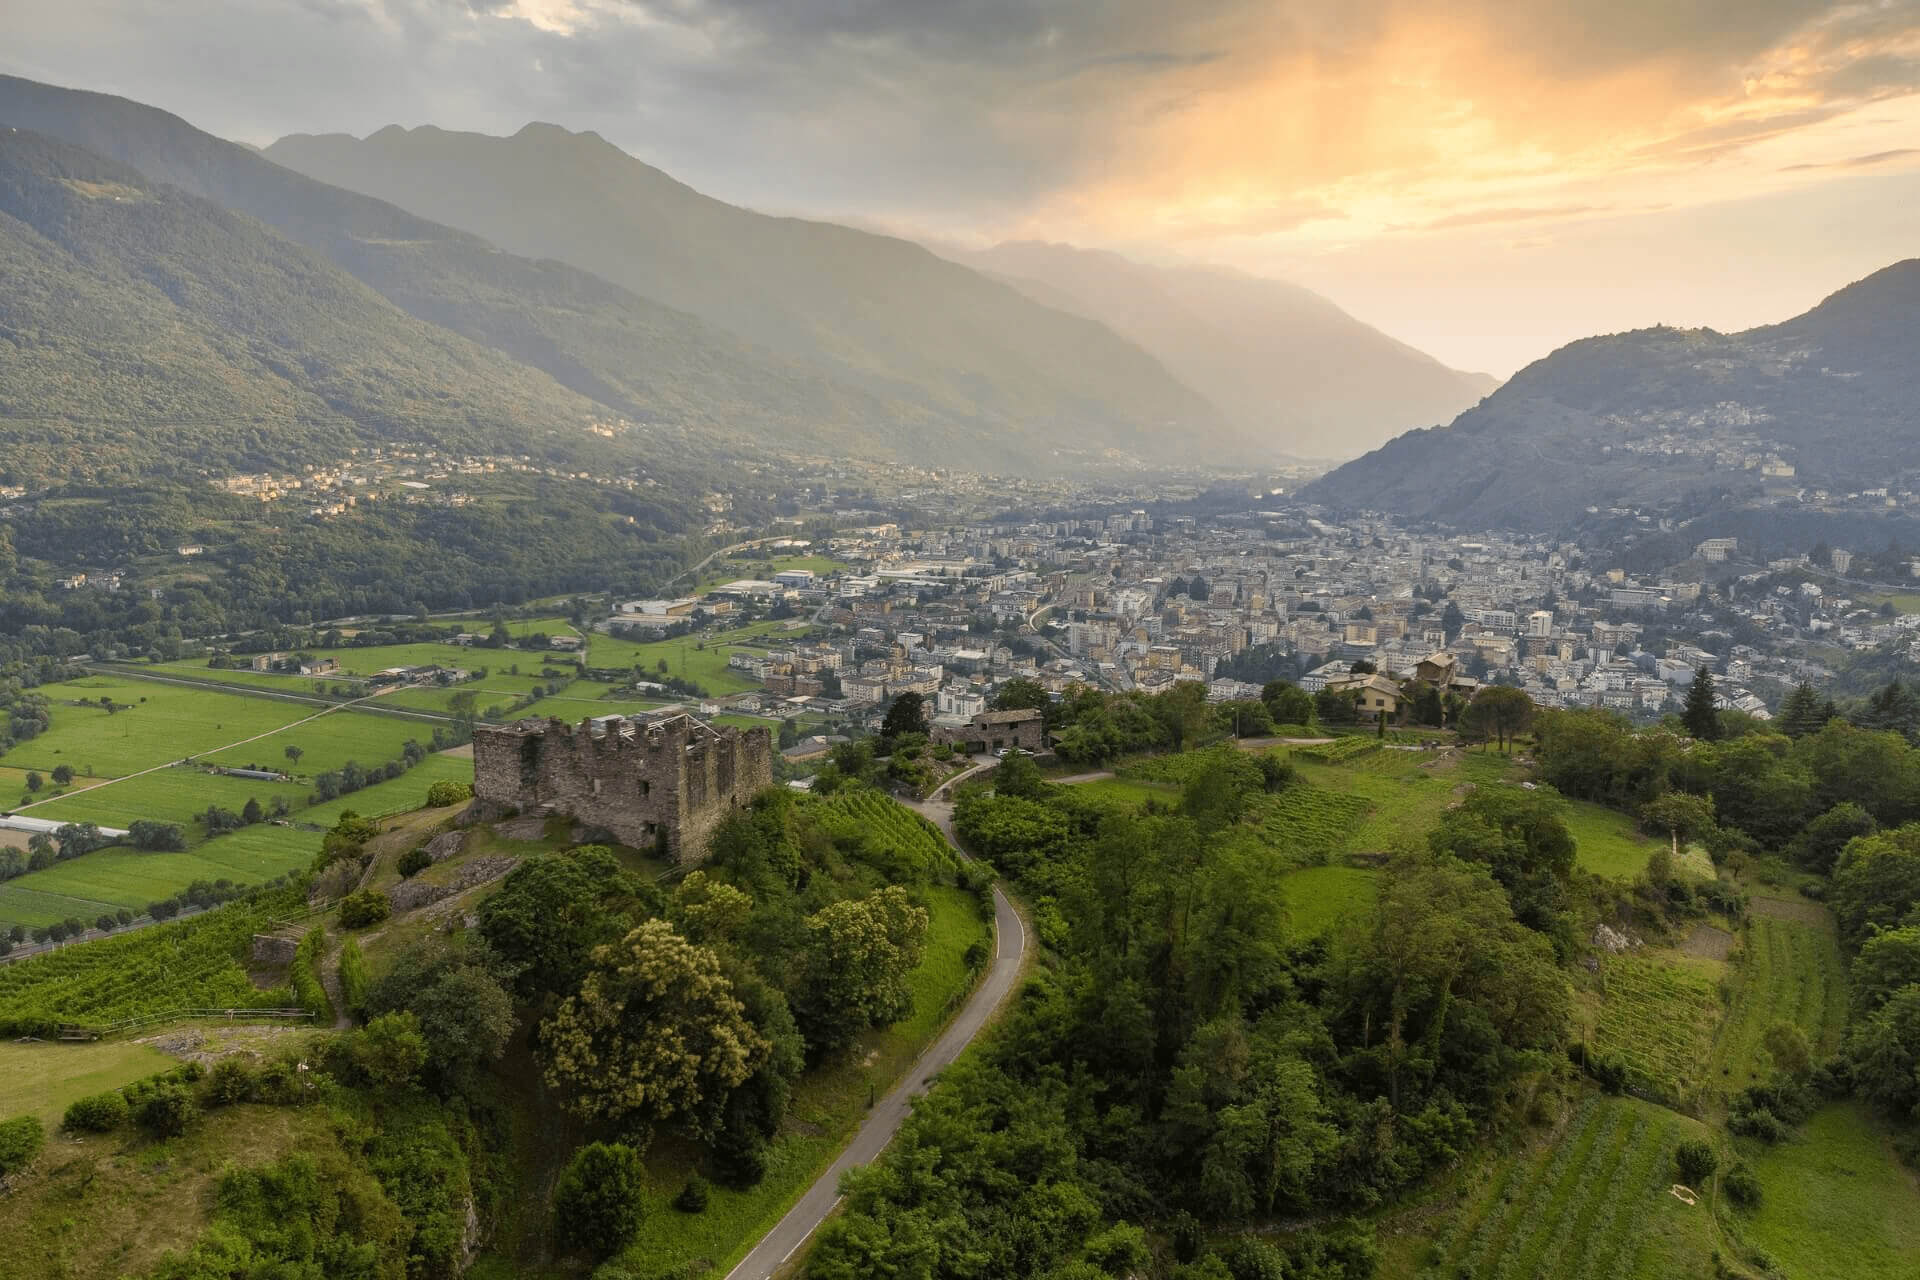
459 998
859 955
1876 882
1522 838
654 1033
907 715
1497 714
550 914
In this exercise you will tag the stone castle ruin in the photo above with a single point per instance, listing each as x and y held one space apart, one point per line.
650 782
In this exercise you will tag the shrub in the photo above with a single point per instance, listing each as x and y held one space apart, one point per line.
101 1113
413 862
20 1141
693 1196
1759 1123
230 1081
596 1206
446 793
353 975
369 906
1741 1186
1696 1162
165 1109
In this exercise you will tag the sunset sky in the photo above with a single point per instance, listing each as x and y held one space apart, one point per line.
1484 179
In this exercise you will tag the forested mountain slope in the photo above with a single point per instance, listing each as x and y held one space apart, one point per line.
635 357
986 369
1661 415
145 329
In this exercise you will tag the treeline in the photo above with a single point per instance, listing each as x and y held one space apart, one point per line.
523 538
1187 1062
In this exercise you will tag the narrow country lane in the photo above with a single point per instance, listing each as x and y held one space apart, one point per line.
812 1209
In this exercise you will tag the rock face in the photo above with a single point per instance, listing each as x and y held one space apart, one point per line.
272 949
446 845
666 782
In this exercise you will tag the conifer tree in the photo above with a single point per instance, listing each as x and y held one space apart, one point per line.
1700 718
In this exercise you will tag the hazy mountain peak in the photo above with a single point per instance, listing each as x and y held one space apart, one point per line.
1286 364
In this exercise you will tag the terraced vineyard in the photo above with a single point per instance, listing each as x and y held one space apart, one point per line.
1658 1020
1309 824
1339 751
910 840
1792 972
194 963
1591 1202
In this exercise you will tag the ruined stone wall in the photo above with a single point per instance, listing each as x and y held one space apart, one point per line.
669 782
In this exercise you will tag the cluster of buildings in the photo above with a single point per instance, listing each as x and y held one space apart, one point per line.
1130 601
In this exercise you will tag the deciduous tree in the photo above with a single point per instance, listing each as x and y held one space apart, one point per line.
654 1032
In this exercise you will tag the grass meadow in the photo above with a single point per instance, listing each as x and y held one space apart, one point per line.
1836 1203
1319 898
40 1078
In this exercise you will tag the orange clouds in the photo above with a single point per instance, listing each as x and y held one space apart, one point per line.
1318 123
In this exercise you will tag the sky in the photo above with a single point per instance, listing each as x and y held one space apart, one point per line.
1485 179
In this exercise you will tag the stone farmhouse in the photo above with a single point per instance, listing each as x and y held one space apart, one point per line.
649 782
997 730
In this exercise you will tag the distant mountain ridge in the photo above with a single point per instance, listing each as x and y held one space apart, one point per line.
992 375
145 330
1284 363
1660 416
632 356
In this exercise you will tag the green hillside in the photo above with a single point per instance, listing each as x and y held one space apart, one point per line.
149 330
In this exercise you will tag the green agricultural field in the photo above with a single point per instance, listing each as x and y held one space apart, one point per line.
1835 1204
328 743
1659 1020
827 1105
585 699
1319 898
159 723
1590 1200
1609 844
396 795
497 686
179 795
110 878
1126 793
1790 970
701 658
41 1079
266 681
732 569
13 782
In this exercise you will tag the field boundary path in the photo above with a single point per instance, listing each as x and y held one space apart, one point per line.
171 764
819 1200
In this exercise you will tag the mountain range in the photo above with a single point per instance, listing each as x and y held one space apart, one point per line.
142 327
1281 361
1671 418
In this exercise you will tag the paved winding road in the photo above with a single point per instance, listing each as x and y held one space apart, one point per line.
884 1120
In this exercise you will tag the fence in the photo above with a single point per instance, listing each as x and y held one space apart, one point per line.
76 1032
